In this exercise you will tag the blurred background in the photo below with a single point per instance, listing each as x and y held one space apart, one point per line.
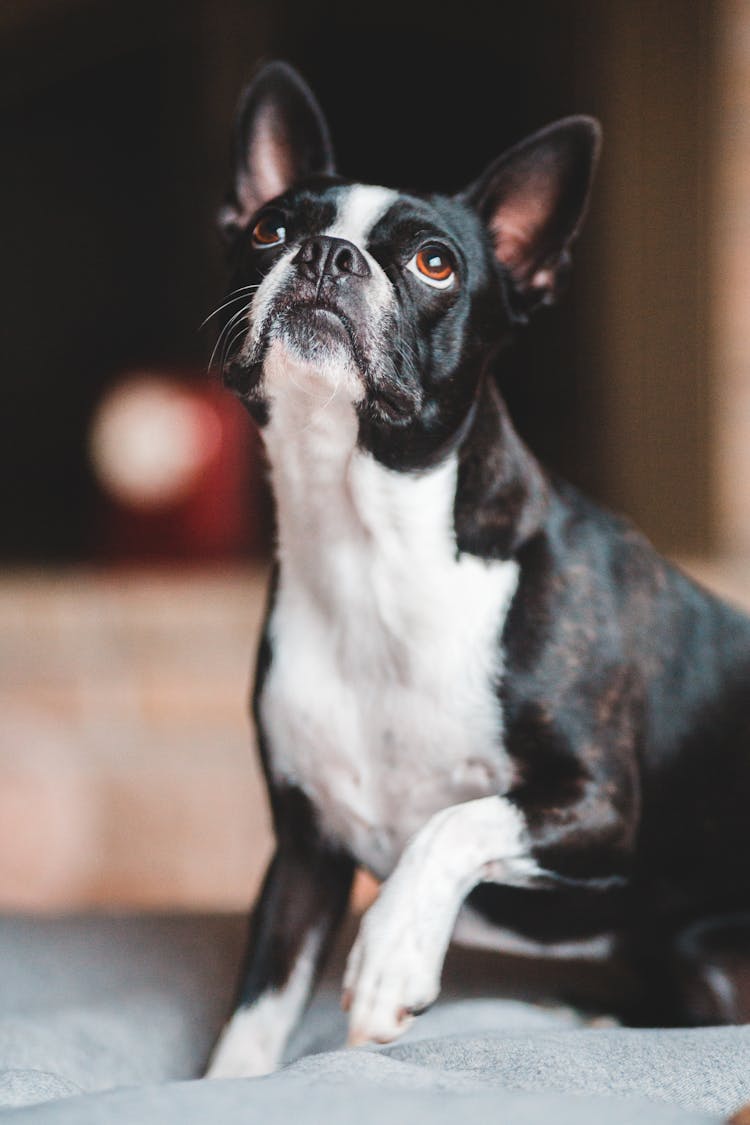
134 538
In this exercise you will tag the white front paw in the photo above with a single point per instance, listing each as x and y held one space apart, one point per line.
245 1049
392 974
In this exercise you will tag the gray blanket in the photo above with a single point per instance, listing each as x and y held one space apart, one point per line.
103 1019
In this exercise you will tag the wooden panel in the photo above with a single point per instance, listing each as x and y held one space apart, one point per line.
731 290
127 766
651 75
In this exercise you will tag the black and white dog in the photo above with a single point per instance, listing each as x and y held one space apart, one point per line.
472 681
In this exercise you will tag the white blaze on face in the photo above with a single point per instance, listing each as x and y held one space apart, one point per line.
360 208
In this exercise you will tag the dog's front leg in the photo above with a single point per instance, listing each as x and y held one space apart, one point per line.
395 964
394 967
304 896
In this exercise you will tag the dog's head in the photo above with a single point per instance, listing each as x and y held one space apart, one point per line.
397 300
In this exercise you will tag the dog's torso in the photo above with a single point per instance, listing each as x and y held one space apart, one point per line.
409 674
382 698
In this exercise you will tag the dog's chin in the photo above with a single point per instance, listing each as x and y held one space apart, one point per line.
311 349
317 337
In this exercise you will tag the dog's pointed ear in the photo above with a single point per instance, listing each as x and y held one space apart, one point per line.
280 136
533 200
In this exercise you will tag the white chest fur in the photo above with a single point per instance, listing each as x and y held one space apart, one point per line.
381 700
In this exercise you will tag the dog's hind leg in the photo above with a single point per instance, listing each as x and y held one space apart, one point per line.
712 970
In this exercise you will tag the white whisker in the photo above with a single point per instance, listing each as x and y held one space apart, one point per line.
238 295
228 327
230 344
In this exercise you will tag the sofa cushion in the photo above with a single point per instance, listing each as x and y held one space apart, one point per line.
88 1004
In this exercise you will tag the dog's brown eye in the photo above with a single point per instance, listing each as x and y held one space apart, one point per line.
435 265
269 231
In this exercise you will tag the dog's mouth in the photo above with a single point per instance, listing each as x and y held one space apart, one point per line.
324 320
321 335
317 330
313 330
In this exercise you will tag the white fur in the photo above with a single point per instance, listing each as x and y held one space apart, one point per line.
395 964
381 700
361 207
253 1041
724 991
474 930
272 284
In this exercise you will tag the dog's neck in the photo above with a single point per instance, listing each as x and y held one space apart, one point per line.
311 441
330 494
341 516
503 495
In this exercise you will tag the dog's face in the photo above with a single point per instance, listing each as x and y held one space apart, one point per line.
394 299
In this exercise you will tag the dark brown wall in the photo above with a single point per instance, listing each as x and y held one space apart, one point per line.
115 124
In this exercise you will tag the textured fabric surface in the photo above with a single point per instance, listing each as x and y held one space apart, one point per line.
91 1004
110 1001
365 1095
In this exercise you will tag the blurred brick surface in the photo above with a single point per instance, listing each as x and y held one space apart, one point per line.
127 771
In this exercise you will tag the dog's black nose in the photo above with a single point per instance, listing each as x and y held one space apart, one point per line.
324 256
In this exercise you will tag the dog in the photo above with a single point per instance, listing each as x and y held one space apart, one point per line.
472 681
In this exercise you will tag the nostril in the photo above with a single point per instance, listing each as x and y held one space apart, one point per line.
309 251
344 260
309 257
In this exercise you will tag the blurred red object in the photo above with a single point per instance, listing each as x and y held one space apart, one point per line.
180 471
